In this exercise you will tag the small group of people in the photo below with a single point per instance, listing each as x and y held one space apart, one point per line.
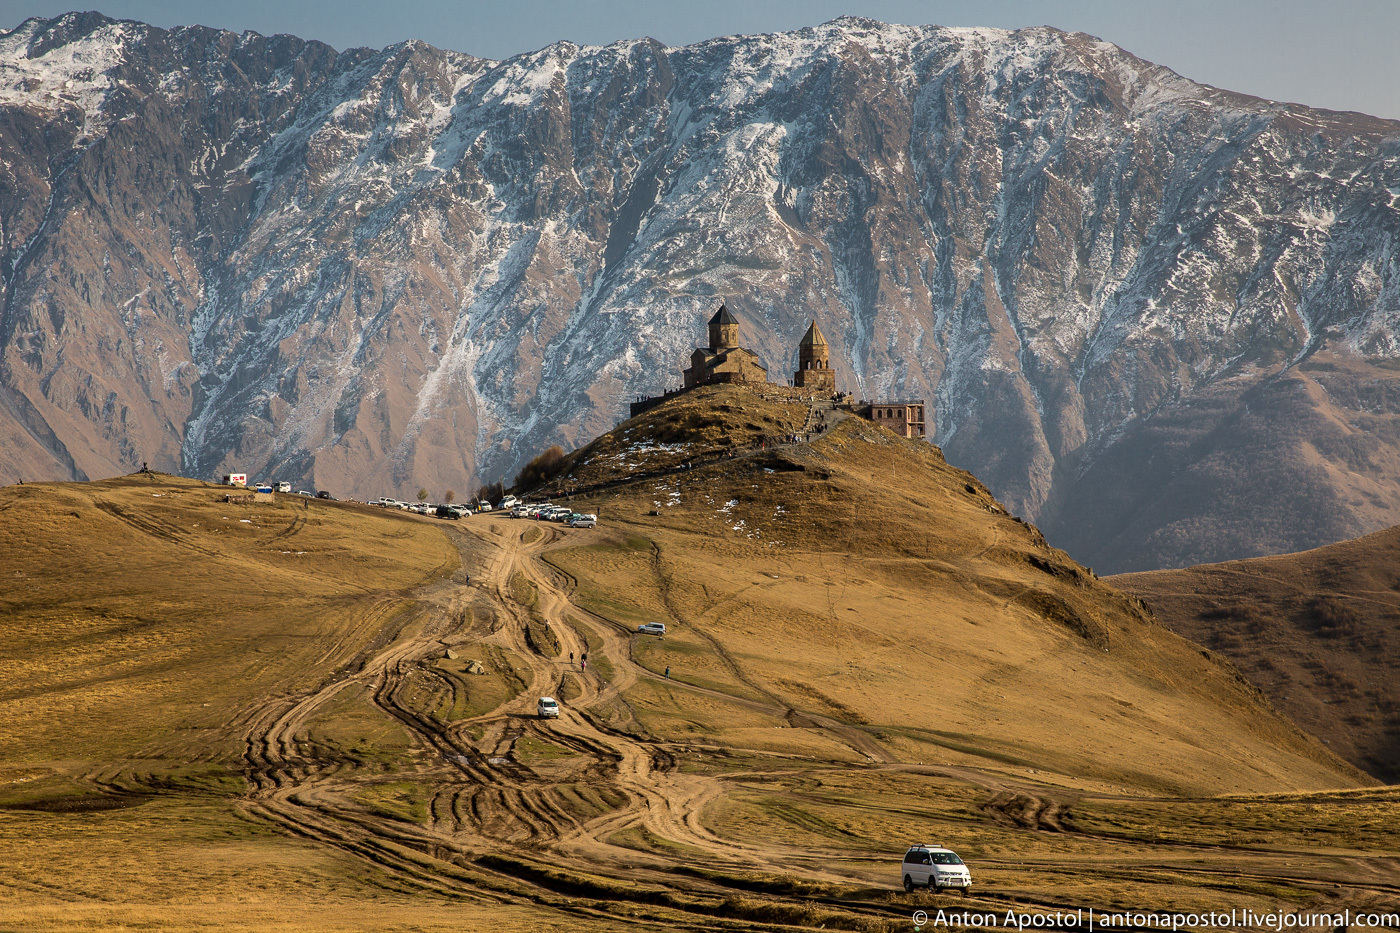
583 661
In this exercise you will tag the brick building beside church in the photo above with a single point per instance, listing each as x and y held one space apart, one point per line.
903 418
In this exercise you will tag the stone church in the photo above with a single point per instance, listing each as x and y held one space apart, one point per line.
724 360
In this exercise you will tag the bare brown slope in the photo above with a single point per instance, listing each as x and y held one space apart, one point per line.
1317 631
863 573
1257 463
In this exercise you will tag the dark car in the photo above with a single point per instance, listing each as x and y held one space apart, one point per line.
325 495
447 511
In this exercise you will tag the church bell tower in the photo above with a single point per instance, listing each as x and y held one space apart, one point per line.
814 362
724 330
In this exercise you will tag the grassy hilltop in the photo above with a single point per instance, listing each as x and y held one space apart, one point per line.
297 716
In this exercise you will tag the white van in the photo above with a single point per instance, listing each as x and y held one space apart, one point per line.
284 487
652 628
934 867
547 708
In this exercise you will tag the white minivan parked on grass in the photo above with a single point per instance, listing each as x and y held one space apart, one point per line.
652 628
934 867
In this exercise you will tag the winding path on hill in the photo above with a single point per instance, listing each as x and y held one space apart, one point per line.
487 804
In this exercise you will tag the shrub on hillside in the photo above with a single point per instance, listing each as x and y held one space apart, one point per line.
1333 618
541 469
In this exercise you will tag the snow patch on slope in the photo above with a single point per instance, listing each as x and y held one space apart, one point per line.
73 74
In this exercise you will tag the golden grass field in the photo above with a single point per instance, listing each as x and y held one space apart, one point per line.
220 717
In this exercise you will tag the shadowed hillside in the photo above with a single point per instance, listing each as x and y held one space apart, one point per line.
1317 631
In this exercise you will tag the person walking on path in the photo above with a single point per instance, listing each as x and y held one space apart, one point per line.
668 673
571 660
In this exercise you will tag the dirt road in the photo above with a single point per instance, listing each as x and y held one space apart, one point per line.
495 825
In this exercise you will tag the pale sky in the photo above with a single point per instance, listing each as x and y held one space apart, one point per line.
1339 54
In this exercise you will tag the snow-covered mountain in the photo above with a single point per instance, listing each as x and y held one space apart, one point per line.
1157 317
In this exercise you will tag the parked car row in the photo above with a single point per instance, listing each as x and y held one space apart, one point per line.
516 508
546 512
446 510
282 487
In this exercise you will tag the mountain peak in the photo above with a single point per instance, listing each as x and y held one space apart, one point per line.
376 271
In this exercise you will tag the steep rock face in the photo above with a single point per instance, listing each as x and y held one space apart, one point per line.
1127 296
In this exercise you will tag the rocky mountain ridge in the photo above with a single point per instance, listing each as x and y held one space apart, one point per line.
1155 317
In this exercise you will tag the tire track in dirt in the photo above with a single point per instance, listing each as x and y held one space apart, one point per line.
487 809
488 805
665 802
